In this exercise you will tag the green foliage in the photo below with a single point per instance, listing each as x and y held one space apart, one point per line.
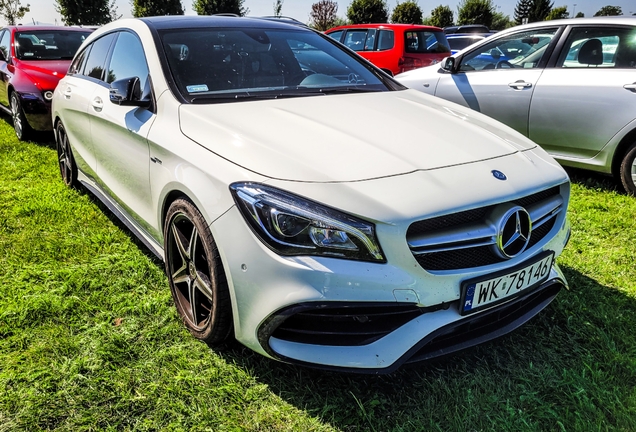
407 13
367 11
87 12
609 11
145 8
211 7
475 12
501 21
560 12
580 15
323 15
522 10
540 10
278 8
441 16
12 11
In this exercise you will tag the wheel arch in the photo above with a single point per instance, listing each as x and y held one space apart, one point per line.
620 151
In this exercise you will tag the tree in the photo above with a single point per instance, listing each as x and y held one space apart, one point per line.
522 10
211 7
12 10
540 10
144 8
323 14
86 12
441 16
580 15
407 13
278 8
475 12
501 21
560 12
609 11
368 11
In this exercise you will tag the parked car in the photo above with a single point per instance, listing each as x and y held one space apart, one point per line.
459 41
395 48
32 61
467 28
568 85
284 212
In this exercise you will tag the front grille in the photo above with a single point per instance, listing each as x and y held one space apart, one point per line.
345 326
467 239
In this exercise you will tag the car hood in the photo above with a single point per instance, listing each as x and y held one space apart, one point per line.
45 72
350 137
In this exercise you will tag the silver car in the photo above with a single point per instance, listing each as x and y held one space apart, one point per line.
569 85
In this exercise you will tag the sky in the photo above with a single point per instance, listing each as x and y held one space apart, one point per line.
43 11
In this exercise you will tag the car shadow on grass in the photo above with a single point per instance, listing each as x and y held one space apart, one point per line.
594 180
572 364
45 139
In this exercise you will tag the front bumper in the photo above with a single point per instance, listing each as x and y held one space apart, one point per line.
37 111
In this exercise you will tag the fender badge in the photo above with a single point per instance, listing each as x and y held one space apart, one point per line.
499 175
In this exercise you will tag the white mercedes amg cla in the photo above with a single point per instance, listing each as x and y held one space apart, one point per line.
303 201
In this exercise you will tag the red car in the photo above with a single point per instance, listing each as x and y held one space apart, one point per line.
395 48
32 61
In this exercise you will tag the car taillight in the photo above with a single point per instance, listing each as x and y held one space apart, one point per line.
408 63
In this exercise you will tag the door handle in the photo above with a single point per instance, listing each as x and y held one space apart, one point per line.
630 87
67 93
520 85
98 104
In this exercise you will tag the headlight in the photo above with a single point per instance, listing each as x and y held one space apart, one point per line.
291 225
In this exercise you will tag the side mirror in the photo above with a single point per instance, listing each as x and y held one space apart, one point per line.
127 91
448 64
2 56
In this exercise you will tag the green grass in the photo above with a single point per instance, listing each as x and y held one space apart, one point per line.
90 340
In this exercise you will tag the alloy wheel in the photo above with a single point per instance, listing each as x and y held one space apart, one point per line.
16 114
64 157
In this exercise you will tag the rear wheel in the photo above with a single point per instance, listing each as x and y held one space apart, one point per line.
65 159
20 124
628 170
195 273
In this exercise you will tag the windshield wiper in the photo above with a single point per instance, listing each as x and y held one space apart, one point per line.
241 97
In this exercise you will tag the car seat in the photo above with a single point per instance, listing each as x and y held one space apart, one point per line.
591 53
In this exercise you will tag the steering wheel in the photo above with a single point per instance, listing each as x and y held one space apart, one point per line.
503 64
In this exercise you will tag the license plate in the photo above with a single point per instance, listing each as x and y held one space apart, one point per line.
487 291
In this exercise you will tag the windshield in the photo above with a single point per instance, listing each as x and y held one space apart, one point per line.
223 65
48 45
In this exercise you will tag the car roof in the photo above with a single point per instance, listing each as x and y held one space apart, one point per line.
48 28
227 21
387 26
606 20
467 35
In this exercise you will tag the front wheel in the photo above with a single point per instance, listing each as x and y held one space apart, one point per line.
195 273
628 170
20 123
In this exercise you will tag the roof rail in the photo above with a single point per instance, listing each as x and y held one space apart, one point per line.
290 20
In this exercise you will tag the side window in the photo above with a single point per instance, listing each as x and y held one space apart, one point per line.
77 67
5 43
518 50
386 40
97 57
128 60
599 47
369 44
336 35
355 39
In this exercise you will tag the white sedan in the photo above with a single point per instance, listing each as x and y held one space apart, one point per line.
569 85
304 202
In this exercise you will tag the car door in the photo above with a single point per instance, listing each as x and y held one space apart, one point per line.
84 78
119 133
498 77
590 93
5 74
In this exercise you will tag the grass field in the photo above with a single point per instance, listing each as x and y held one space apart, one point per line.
90 340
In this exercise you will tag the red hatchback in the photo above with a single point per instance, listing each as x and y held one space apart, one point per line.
32 61
394 47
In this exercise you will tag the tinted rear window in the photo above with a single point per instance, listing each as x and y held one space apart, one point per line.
425 42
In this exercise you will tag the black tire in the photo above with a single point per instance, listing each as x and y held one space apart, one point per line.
195 273
65 159
628 170
20 124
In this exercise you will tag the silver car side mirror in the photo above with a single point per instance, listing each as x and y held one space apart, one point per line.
448 64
